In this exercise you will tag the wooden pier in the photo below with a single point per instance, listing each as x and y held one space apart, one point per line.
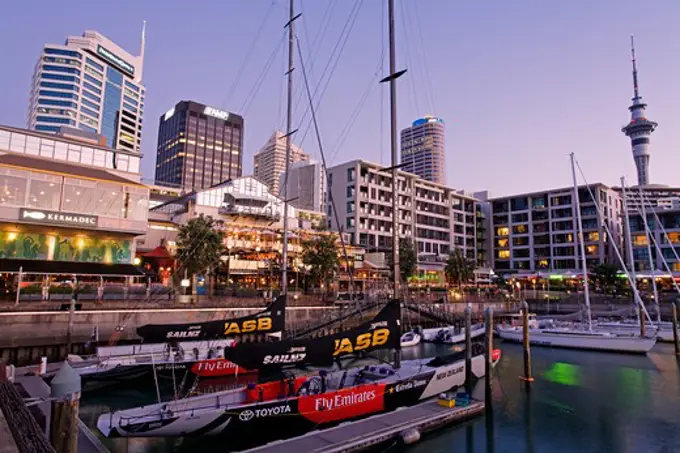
376 430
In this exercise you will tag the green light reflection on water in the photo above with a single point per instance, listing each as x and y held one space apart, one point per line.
564 373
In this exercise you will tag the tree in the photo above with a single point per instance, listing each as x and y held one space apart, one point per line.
605 276
320 254
408 260
459 268
199 245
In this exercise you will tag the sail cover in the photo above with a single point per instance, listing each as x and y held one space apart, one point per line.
382 332
270 320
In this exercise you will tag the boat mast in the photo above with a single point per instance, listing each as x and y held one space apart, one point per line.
581 239
393 146
629 248
289 132
652 267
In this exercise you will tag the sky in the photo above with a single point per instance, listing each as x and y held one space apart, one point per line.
519 84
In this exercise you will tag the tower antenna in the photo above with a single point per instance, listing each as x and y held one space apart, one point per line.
632 55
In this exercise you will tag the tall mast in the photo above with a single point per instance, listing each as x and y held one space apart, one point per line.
393 145
629 244
289 121
581 239
652 267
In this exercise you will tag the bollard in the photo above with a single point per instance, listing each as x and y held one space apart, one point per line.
43 366
11 373
676 342
3 371
525 345
468 349
488 372
643 322
65 392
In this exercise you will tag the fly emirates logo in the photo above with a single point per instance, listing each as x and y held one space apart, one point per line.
338 401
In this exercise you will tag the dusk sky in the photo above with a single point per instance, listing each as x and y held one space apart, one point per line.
520 84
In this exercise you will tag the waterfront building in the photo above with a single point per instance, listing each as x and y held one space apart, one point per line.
198 146
437 218
422 149
639 129
251 218
92 84
68 206
536 232
270 161
306 185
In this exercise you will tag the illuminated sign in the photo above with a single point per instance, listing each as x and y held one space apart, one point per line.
212 111
116 60
57 218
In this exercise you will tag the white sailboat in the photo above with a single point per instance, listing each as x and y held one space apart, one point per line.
451 334
583 336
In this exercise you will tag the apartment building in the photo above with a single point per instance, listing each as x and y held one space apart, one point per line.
537 231
437 218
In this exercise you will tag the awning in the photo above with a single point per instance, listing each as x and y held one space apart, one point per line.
158 252
69 268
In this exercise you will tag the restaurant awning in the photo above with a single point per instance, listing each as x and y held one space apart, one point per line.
69 268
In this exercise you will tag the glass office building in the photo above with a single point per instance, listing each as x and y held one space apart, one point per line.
198 146
92 84
422 149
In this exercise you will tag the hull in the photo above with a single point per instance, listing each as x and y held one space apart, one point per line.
450 335
664 330
410 339
350 394
576 339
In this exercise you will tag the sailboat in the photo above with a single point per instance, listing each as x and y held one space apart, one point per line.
582 336
451 334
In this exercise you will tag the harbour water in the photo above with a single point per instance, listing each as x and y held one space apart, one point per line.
583 402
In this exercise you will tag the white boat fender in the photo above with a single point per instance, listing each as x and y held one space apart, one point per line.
410 436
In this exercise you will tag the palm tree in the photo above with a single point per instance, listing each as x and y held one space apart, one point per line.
459 268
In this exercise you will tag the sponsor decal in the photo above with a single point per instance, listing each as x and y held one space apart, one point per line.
343 404
262 324
283 358
115 60
191 332
216 367
408 385
248 414
363 341
57 218
451 372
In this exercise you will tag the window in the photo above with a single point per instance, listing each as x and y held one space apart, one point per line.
67 53
137 204
51 119
58 94
89 121
90 104
97 75
65 78
42 101
593 236
13 187
129 107
93 80
130 100
502 231
504 254
89 112
640 240
94 64
87 94
62 61
350 174
49 67
502 242
92 88
45 128
59 86
88 128
132 86
519 229
44 191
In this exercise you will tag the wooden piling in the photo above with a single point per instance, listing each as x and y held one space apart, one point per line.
468 348
488 372
526 346
643 322
65 391
676 341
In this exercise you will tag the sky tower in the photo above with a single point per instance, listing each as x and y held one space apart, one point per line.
640 128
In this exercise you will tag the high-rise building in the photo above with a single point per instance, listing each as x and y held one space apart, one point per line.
639 129
422 149
538 231
270 160
90 83
198 146
306 185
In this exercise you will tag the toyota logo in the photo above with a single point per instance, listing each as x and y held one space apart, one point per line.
246 415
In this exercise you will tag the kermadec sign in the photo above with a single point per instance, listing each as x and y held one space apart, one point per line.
57 218
115 60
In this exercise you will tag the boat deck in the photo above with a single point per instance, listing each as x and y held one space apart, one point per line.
370 432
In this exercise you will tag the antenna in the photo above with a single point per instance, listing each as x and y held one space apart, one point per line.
632 54
141 51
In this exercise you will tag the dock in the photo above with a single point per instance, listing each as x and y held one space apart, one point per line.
376 430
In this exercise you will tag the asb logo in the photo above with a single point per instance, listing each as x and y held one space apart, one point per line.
263 324
364 341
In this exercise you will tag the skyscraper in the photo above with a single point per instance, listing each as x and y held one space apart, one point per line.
198 146
90 83
306 183
270 160
639 129
422 149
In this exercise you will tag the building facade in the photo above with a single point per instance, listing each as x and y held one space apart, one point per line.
198 146
65 208
306 185
422 149
270 161
438 219
92 84
537 231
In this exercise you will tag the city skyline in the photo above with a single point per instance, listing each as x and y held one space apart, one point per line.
488 87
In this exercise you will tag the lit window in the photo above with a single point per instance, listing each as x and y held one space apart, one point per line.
504 254
639 240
